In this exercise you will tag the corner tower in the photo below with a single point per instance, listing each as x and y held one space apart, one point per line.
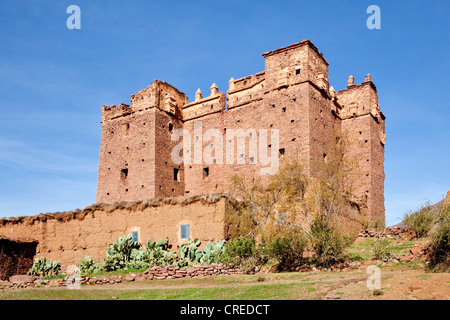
364 122
135 146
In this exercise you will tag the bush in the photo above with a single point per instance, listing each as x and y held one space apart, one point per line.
439 249
288 250
381 249
244 252
44 267
239 249
422 220
328 244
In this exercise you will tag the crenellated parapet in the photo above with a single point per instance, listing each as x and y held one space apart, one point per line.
298 63
359 100
113 111
245 90
204 106
159 94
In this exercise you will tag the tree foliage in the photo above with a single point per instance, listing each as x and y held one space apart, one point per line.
314 198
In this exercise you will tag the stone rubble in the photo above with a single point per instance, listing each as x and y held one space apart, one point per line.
153 273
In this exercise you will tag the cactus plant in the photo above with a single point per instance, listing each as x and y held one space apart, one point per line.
44 267
212 252
88 266
190 251
119 253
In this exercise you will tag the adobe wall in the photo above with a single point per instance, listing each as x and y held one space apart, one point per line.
70 236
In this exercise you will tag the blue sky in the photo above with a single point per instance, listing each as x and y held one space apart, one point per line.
53 81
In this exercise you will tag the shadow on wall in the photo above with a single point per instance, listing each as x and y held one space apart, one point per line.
16 257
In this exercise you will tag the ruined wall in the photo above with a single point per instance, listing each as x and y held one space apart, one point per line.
70 236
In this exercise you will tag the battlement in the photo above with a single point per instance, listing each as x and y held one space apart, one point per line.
295 46
245 90
113 111
359 100
159 94
287 66
204 106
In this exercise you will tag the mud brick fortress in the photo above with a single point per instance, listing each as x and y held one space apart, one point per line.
143 192
292 94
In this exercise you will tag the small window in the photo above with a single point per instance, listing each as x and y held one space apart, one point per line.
176 174
281 151
124 174
284 109
135 236
170 127
252 159
298 70
205 172
185 231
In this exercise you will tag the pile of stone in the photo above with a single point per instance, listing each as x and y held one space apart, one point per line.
398 231
175 272
368 234
154 273
416 252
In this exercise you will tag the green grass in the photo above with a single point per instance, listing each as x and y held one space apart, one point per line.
363 251
275 286
241 292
